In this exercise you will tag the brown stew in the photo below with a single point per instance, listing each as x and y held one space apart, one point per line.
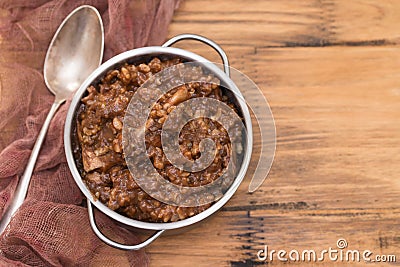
99 151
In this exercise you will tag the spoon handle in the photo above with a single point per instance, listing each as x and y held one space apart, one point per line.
23 184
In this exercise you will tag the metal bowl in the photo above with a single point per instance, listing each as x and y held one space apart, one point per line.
141 55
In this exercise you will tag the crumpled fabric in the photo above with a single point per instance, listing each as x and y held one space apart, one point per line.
52 228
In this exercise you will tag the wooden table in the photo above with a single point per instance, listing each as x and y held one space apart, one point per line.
330 70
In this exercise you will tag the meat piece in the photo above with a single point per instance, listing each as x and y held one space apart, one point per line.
181 95
90 160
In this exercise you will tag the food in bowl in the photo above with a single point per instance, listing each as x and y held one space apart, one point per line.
98 148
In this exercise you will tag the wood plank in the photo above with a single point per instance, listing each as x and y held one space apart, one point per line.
233 238
256 22
290 23
365 20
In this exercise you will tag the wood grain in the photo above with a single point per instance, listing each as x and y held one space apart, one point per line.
330 72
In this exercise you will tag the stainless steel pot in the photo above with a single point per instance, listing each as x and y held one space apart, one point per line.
137 55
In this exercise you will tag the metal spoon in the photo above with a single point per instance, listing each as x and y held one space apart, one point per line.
75 51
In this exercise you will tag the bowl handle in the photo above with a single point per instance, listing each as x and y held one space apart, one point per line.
202 39
113 243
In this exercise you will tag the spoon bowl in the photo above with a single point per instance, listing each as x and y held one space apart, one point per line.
75 51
